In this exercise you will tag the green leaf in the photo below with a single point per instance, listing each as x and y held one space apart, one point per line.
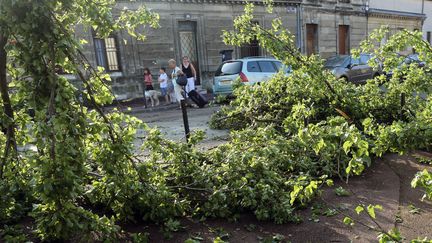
371 210
342 192
348 221
347 146
359 209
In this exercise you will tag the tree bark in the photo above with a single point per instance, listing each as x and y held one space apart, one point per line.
3 82
6 126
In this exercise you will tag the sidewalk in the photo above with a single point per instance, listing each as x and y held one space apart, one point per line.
137 105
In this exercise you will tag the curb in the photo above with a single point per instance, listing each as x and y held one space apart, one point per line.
142 109
138 107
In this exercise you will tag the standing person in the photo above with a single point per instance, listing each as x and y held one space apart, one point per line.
148 80
177 88
190 72
171 93
163 83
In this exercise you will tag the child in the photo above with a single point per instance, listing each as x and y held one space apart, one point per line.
148 80
163 82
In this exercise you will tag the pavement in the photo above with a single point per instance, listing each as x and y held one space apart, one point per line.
169 120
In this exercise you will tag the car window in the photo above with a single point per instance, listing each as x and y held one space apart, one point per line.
364 59
337 61
355 61
267 67
229 68
278 65
253 67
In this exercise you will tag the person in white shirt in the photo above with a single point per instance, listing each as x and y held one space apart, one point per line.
177 88
163 83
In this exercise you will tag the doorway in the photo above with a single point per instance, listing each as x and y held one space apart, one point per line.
187 32
344 40
311 39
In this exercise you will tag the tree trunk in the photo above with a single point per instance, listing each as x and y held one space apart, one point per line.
7 127
3 82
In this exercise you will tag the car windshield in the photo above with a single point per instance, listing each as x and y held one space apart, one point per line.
229 68
336 61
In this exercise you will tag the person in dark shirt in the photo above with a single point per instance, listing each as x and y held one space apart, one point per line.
190 72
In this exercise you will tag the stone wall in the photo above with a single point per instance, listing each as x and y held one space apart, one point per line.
328 15
394 23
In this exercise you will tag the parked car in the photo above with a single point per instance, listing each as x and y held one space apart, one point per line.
249 70
351 69
409 59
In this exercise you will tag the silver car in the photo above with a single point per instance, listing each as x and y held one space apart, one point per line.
351 69
248 70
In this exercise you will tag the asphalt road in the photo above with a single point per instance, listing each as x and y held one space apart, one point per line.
170 122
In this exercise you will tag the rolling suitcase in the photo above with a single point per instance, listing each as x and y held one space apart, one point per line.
197 98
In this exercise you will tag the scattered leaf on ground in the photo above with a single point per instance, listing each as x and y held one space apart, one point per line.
342 192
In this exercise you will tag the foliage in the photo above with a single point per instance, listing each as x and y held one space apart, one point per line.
13 234
235 177
63 161
222 99
386 114
272 239
423 159
423 179
220 120
140 238
342 192
393 235
50 151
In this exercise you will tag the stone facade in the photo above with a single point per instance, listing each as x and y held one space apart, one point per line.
207 19
405 15
194 28
328 15
401 14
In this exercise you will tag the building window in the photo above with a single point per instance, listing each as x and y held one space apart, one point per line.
311 39
107 53
344 40
429 37
252 49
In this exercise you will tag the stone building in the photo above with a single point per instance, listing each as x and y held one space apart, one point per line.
397 14
332 26
188 28
194 27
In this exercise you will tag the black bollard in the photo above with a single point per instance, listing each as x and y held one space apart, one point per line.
185 119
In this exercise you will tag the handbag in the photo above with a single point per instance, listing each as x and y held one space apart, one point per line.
182 80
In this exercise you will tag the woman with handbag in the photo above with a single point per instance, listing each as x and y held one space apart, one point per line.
176 71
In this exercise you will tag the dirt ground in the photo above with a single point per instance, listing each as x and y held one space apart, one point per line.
386 182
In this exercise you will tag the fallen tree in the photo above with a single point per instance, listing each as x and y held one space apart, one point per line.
293 133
